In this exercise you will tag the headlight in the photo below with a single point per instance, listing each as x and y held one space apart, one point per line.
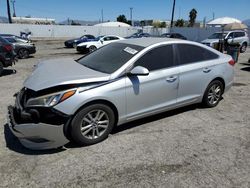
50 100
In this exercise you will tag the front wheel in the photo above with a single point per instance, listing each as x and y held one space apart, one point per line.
213 94
92 48
23 53
92 124
243 48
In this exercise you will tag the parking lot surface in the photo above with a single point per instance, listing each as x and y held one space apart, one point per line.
189 147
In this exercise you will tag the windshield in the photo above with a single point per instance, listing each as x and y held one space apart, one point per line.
217 36
98 38
110 58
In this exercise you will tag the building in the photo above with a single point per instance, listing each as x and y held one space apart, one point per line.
28 20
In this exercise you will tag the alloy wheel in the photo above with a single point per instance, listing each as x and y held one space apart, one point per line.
94 124
214 94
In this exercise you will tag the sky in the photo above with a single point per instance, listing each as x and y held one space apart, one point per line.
142 9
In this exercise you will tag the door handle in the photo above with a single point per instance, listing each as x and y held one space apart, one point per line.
171 79
206 70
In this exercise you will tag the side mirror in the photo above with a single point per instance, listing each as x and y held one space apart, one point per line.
102 41
139 71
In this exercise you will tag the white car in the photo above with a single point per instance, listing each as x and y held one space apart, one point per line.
237 36
100 41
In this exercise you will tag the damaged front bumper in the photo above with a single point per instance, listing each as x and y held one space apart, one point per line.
37 134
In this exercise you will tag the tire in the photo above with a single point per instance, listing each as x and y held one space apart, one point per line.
243 48
1 68
213 94
87 130
23 53
92 48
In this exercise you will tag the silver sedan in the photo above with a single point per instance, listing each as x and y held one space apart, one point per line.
83 100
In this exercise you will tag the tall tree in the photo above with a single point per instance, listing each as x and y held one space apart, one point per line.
122 18
179 23
8 10
192 17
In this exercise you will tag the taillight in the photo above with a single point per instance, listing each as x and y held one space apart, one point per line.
231 62
8 48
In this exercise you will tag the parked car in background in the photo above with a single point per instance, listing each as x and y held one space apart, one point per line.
138 35
174 35
7 54
237 36
100 41
22 47
74 42
127 80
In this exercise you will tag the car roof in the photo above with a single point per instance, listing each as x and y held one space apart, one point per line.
231 31
7 35
145 42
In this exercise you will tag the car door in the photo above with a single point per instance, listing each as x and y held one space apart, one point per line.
239 37
156 91
109 39
196 71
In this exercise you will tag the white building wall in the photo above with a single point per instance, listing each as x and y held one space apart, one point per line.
64 30
60 31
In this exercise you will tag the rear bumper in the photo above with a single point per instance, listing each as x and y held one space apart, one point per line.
37 136
68 44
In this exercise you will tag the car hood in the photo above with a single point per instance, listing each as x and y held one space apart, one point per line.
56 72
72 40
89 43
210 41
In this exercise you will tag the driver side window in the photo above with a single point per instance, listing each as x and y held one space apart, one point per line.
157 58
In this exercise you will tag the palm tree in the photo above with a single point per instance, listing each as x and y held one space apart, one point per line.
192 17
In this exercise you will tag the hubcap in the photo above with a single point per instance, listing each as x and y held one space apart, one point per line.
214 94
94 124
91 49
23 53
244 48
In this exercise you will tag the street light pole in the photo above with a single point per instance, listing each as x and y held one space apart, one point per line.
131 16
13 5
102 15
8 10
172 19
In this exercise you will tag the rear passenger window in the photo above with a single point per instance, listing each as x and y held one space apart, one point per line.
158 58
239 34
190 54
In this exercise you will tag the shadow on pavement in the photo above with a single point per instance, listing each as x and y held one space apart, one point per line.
246 69
13 143
7 72
153 118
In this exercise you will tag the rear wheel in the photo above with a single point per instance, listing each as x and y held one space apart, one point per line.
1 68
92 48
23 53
92 124
213 94
243 48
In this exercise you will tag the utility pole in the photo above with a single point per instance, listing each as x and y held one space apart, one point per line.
131 16
102 15
172 19
13 5
8 10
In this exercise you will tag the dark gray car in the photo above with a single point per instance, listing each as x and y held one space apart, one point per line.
22 47
7 55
